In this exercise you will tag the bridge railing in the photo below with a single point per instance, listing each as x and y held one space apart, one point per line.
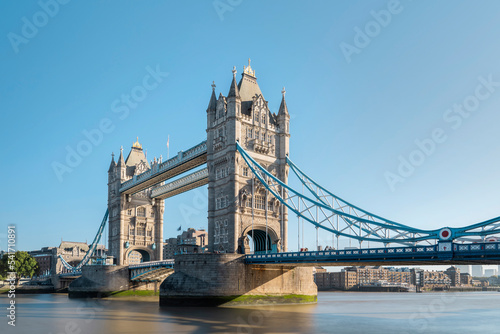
74 273
390 253
162 263
476 247
347 253
173 162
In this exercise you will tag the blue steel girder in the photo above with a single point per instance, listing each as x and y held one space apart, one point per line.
92 247
326 208
483 229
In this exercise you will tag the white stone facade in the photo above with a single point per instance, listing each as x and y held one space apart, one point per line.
244 116
135 221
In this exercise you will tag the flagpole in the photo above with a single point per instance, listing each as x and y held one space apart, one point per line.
168 147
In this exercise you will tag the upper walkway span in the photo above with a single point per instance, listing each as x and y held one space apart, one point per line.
183 162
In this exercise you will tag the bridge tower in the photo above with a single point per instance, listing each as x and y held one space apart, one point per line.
239 207
136 220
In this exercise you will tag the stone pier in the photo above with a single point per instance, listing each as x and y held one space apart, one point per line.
225 280
103 281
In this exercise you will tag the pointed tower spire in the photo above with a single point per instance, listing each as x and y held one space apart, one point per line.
283 107
233 90
121 161
113 163
212 105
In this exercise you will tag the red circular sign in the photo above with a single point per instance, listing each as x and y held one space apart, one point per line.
445 234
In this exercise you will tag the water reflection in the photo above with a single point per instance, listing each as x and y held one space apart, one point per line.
334 313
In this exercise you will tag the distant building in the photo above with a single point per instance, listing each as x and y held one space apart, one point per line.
319 270
454 275
465 269
188 242
477 271
353 277
169 248
465 279
72 252
490 272
44 258
436 279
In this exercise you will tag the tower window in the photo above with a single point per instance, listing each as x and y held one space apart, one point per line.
263 119
129 212
245 171
141 212
221 202
260 202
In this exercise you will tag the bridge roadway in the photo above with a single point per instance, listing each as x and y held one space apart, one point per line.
441 254
153 271
183 162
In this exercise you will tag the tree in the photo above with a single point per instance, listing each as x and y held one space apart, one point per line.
21 263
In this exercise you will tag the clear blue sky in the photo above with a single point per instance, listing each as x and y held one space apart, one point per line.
351 120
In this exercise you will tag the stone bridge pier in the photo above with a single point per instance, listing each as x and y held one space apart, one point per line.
225 280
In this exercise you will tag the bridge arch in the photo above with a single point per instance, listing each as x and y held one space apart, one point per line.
258 238
138 255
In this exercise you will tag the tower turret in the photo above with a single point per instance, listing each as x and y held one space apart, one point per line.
212 106
112 165
120 166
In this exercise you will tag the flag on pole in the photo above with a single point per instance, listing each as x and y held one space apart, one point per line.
180 228
168 147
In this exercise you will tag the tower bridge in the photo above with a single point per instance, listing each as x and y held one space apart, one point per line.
245 163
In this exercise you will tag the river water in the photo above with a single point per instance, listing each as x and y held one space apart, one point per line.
335 312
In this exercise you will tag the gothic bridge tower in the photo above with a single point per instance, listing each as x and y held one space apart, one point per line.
135 221
239 207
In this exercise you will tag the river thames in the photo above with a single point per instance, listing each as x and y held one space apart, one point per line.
335 312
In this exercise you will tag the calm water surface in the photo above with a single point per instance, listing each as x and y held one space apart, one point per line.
474 312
